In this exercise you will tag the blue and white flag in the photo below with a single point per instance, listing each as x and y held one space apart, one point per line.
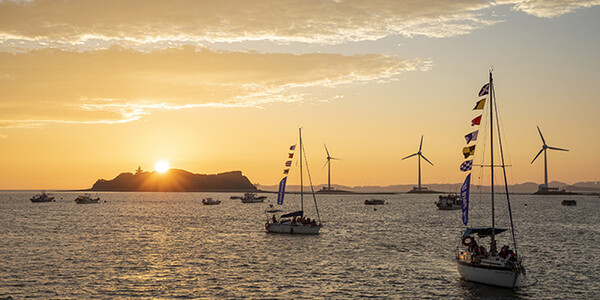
472 136
467 165
281 190
464 197
485 89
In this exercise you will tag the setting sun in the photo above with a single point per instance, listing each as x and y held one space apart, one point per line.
161 166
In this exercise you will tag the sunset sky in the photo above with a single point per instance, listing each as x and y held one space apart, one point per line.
90 88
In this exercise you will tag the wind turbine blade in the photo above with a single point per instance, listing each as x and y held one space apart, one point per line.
326 150
537 155
325 165
421 144
559 149
410 156
335 158
425 158
543 141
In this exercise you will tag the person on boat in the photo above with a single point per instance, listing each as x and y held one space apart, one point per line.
482 251
313 223
274 219
472 246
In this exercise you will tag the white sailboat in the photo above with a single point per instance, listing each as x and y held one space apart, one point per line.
294 222
475 263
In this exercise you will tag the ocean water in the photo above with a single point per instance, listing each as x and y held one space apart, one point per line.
168 245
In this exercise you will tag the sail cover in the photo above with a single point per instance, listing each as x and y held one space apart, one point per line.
483 232
293 214
464 196
281 192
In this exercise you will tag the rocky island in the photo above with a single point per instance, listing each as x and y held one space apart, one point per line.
175 180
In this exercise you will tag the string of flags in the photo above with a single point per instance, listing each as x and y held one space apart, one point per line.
286 170
469 150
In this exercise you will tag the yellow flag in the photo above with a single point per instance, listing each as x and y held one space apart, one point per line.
480 104
468 151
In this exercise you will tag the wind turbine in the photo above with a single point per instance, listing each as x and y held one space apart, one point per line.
328 163
544 148
420 154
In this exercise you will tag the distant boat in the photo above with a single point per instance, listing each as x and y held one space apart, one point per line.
42 197
294 222
569 202
473 261
210 201
252 198
449 202
86 199
374 202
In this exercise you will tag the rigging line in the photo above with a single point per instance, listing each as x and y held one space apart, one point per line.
512 227
506 144
311 185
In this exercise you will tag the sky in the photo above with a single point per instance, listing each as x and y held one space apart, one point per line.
90 89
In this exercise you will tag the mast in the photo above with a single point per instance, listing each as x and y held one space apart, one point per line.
301 185
491 93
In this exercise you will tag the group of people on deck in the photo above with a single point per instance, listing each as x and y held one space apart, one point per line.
480 251
304 221
298 220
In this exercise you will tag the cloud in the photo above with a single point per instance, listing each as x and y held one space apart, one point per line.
119 85
154 24
548 8
95 24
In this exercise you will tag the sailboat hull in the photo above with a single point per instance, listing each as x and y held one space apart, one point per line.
292 229
492 276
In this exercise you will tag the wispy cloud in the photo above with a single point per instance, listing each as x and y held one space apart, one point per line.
152 24
119 85
85 24
548 8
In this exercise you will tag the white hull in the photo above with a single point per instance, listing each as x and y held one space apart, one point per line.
293 229
498 277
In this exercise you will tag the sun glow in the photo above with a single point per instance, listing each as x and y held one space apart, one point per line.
161 166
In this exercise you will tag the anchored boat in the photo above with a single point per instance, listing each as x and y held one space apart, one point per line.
42 197
474 261
294 222
449 202
87 199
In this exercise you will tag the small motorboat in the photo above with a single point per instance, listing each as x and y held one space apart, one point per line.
569 203
374 202
210 201
252 198
449 202
42 197
87 199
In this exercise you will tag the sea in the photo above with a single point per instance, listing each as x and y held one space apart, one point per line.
170 246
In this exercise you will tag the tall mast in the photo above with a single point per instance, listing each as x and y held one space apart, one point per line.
491 93
301 185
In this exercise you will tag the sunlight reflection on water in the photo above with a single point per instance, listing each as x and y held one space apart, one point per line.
169 245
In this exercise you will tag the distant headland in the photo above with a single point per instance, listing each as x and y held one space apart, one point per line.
175 180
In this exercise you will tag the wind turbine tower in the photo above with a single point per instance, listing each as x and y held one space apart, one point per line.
420 189
545 189
328 163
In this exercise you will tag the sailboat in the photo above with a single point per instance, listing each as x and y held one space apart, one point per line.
475 263
294 222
